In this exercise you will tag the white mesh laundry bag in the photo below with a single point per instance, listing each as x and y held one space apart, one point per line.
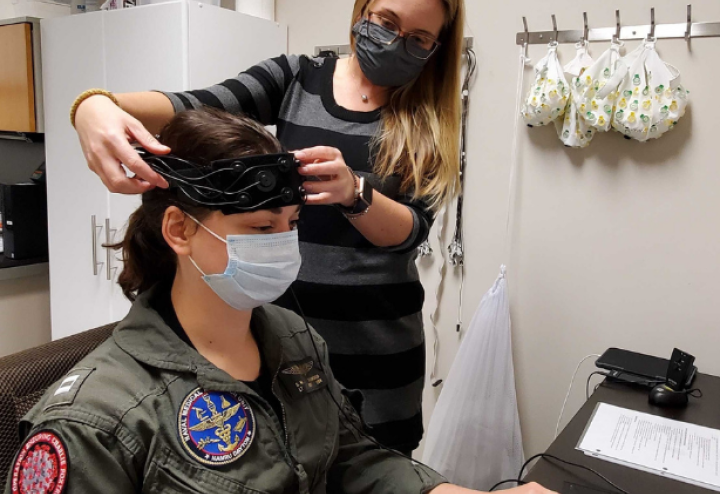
597 92
474 435
651 99
549 93
573 130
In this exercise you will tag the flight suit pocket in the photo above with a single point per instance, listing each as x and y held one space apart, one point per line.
173 475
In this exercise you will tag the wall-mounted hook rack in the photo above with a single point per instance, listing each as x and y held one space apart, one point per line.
684 30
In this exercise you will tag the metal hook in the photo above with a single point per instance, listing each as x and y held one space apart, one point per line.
587 29
617 26
688 31
526 43
555 29
652 22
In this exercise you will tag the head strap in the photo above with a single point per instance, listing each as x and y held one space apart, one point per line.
235 185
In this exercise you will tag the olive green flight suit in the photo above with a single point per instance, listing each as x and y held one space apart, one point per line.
124 420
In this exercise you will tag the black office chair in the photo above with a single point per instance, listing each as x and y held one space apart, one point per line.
25 376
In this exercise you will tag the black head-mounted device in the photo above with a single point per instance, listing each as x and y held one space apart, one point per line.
235 185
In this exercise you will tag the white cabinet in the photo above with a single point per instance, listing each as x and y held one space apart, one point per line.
171 46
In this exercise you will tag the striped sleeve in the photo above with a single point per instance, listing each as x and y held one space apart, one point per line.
423 219
258 92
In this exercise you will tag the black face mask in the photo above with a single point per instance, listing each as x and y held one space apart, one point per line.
384 65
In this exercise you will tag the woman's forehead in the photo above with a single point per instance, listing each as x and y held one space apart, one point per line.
284 211
413 15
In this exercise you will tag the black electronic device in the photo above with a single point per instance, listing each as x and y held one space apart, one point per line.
638 368
680 368
365 193
235 185
664 396
25 226
363 198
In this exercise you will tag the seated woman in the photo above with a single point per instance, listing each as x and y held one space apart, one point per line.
204 387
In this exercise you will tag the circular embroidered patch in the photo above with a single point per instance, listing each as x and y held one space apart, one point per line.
215 428
41 466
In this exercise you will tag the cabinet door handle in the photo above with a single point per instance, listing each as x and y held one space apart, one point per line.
109 233
95 227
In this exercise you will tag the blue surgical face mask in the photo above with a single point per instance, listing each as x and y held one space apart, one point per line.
260 268
384 65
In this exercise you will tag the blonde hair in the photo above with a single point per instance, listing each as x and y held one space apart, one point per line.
420 136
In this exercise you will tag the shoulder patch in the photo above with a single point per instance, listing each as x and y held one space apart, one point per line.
41 466
216 428
65 391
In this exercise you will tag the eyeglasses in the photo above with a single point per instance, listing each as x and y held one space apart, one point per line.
383 30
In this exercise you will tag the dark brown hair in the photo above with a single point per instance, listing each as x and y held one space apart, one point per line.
200 136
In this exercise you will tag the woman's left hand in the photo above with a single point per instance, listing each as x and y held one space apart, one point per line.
336 184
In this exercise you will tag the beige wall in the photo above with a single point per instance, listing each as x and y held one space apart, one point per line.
24 313
615 245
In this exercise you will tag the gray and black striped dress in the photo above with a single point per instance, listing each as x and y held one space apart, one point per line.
364 300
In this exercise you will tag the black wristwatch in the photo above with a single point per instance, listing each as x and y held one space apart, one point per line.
363 199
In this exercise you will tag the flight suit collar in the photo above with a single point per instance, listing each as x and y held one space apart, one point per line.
144 335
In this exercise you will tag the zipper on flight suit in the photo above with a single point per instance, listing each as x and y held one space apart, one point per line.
266 405
297 467
282 409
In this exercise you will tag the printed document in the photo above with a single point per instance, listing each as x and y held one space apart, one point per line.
686 452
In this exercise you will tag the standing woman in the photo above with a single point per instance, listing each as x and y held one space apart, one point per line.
378 135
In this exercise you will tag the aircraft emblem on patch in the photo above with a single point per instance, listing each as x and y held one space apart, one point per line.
215 428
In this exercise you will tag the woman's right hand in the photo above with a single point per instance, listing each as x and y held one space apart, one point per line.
105 132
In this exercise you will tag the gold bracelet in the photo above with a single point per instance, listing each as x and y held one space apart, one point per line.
85 95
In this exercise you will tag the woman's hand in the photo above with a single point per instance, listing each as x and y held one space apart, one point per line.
105 132
337 182
530 488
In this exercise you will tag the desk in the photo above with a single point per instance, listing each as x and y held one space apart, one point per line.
552 475
11 269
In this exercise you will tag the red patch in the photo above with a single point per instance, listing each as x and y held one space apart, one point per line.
41 466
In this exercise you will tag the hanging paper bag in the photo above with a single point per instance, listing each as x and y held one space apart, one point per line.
579 65
651 99
474 437
573 130
549 94
597 89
